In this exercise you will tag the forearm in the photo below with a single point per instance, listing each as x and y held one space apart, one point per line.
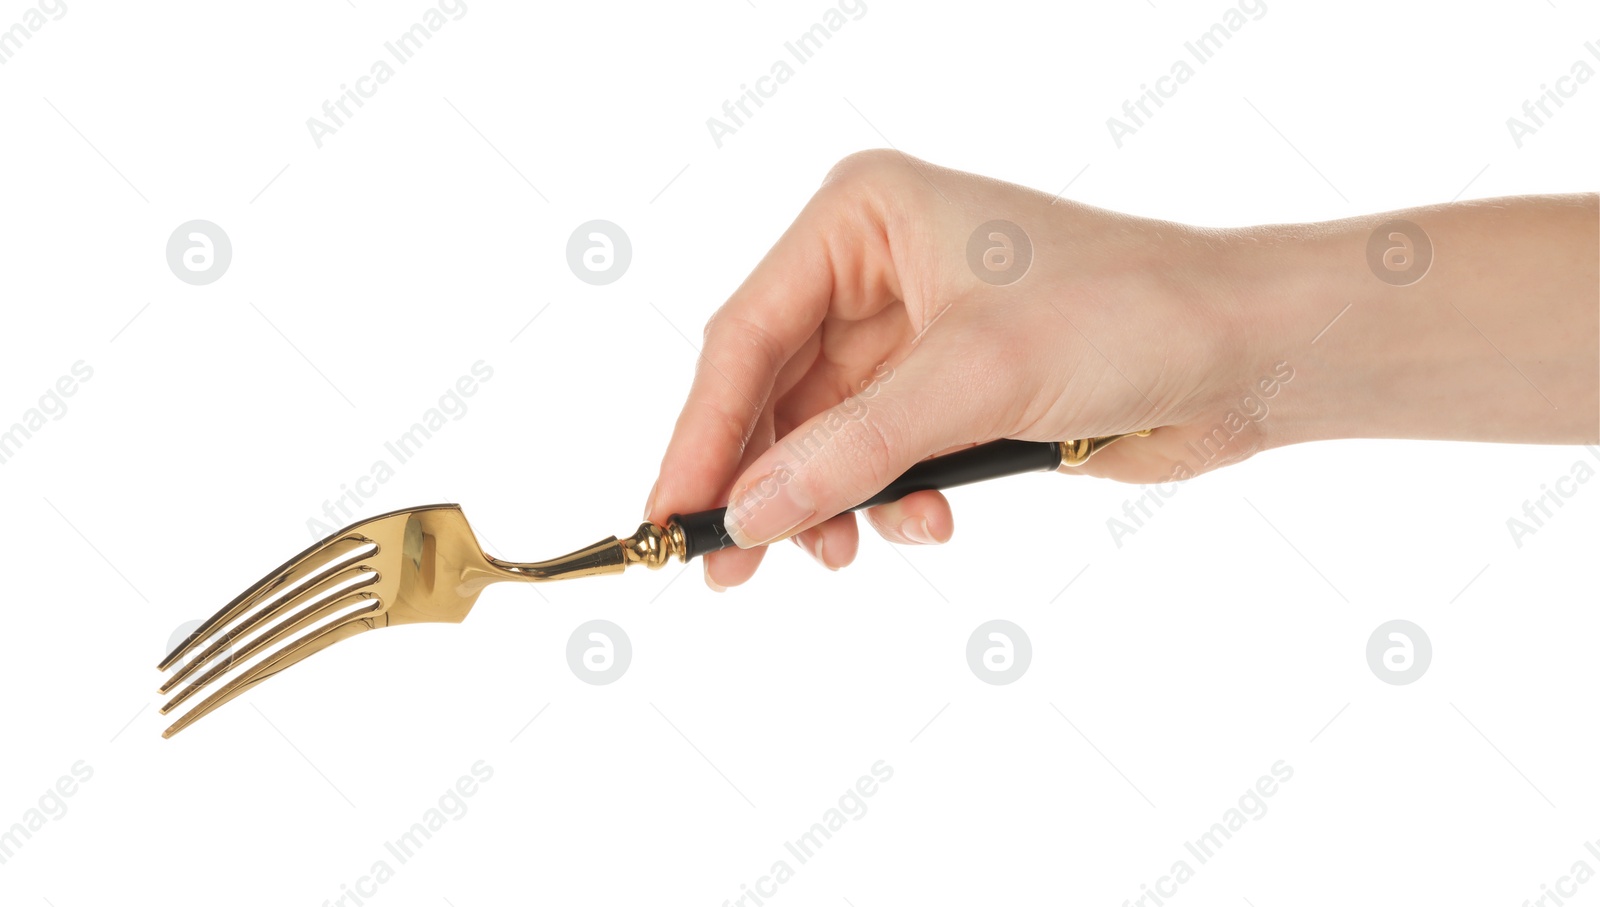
1498 341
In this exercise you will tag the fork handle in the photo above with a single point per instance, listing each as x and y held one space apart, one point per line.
703 532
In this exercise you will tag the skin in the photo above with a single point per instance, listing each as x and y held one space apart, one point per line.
865 327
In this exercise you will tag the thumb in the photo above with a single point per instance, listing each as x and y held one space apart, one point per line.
846 454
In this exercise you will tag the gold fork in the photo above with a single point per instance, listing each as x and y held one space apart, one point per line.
424 565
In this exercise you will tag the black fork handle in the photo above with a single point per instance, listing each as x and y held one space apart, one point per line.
703 532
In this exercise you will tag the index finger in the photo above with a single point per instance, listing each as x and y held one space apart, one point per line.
747 341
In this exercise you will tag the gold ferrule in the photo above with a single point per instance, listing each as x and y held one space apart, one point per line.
653 545
1077 453
677 546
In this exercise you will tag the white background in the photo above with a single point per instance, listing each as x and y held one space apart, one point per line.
1226 635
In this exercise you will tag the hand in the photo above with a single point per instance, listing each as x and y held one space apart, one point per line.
869 339
865 341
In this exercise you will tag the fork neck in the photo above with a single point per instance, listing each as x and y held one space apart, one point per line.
650 545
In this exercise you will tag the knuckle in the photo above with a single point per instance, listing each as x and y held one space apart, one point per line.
863 167
734 429
707 332
742 339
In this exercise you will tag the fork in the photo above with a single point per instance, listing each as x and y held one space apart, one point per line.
424 565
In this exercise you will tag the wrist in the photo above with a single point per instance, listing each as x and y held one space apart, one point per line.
1464 322
1301 306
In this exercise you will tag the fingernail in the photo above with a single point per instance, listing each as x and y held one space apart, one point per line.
814 548
650 502
766 510
715 586
916 529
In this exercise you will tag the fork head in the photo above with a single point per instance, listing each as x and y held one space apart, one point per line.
420 565
412 566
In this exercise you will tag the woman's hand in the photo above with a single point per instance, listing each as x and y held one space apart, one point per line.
867 340
896 320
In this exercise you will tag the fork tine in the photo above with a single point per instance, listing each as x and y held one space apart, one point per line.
308 566
280 632
365 574
301 649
